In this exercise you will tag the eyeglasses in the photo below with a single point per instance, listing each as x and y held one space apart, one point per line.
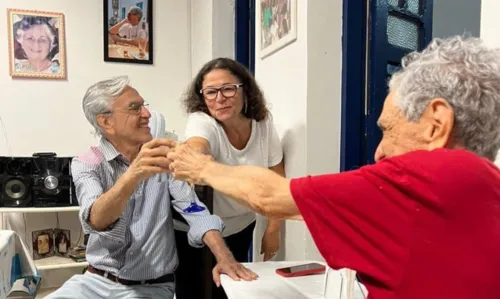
228 91
133 108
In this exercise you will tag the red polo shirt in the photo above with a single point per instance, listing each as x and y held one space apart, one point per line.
421 225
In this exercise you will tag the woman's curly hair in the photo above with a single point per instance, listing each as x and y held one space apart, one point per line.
256 104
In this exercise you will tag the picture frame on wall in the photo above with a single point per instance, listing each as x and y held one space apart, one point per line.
276 25
128 31
36 42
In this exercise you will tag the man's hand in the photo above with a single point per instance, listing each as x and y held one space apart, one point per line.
152 159
233 269
188 163
270 243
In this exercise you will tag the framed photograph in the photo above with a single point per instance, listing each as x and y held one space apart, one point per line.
62 241
36 44
276 26
43 243
128 31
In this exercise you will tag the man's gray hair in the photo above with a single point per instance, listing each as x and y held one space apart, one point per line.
99 98
135 10
466 73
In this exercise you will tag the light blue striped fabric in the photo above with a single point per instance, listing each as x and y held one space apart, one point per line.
140 245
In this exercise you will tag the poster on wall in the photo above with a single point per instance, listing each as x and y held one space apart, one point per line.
276 25
36 44
128 31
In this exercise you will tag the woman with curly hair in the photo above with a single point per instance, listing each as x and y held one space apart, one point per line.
229 120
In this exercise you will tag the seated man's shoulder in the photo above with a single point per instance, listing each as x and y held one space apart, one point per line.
457 165
91 158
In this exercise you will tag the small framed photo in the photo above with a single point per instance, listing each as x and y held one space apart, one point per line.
36 44
62 241
128 31
276 25
43 243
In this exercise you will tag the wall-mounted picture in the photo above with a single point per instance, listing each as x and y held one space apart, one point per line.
62 239
36 44
128 31
43 243
277 26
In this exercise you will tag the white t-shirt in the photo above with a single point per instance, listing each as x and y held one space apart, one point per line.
263 149
129 31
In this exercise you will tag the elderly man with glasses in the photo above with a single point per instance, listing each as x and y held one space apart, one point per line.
123 191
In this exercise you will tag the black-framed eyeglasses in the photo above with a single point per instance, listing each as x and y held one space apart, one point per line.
228 91
133 108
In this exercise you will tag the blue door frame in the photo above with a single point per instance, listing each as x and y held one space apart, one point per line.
244 47
362 106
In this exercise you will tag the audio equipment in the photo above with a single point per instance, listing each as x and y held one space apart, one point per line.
15 182
43 180
52 182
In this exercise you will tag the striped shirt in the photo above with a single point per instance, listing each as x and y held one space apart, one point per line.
140 245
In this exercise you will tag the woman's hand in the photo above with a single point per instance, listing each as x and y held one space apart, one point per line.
270 243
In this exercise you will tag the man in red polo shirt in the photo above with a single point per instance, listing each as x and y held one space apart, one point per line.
424 221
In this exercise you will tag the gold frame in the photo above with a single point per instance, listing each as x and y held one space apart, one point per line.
61 44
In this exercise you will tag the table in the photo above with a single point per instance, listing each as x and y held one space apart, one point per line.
15 261
270 285
126 51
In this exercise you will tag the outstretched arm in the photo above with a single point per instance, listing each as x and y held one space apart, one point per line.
260 189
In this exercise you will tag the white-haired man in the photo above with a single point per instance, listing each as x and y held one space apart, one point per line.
124 196
130 29
424 221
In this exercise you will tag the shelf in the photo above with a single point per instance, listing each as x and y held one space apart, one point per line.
58 262
39 210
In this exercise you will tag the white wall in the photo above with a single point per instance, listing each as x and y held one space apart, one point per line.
302 83
490 22
54 107
46 115
212 31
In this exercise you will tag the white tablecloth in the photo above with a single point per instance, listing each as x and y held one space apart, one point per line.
270 285
15 261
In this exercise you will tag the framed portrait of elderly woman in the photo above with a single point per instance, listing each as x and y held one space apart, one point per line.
128 31
36 44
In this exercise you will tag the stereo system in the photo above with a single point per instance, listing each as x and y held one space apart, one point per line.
43 180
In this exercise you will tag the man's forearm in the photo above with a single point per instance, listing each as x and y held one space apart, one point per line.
260 189
215 242
116 28
109 206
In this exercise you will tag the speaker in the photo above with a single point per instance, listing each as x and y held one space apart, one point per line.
52 182
15 182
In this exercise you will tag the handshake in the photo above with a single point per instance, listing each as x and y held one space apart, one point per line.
163 155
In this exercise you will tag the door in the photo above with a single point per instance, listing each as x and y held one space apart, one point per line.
397 27
244 47
375 39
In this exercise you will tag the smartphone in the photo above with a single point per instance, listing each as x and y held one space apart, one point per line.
301 270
